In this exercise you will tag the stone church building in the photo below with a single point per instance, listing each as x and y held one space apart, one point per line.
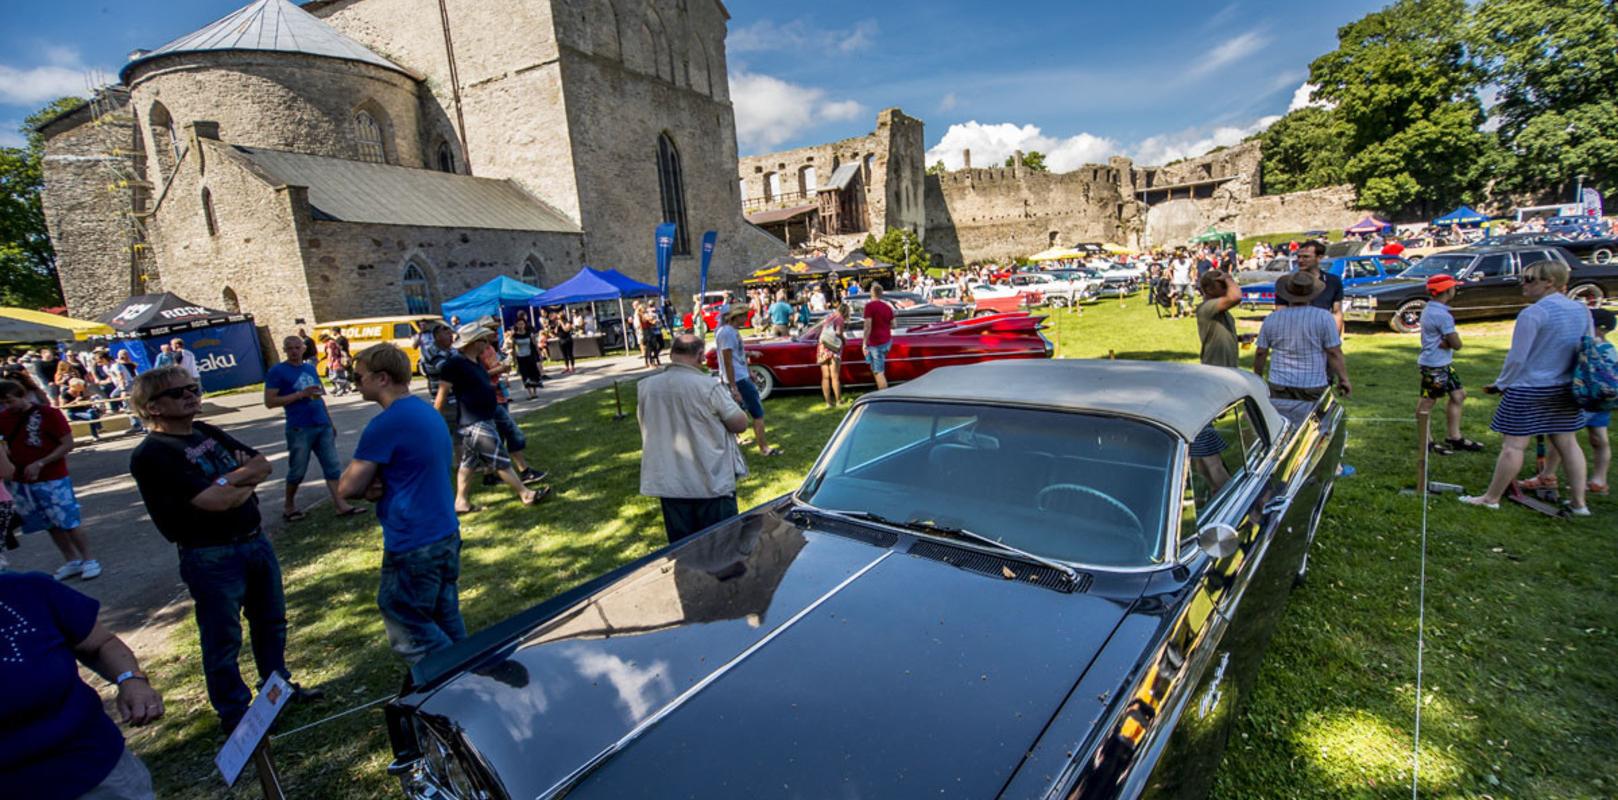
352 158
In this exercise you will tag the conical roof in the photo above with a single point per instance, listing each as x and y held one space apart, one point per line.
268 25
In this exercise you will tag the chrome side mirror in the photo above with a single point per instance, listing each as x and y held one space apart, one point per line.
1217 540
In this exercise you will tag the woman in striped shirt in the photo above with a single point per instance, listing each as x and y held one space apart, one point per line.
1536 382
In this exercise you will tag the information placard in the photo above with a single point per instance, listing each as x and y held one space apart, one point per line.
250 732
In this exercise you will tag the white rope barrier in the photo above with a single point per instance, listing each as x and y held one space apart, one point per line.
1421 631
339 715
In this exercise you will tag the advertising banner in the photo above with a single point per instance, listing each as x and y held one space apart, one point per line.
227 355
708 240
665 251
1592 202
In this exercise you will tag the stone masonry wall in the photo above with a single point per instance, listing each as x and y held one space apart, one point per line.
1005 212
1176 221
85 215
1242 160
280 101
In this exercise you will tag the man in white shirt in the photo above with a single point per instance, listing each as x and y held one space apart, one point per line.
733 373
184 359
689 458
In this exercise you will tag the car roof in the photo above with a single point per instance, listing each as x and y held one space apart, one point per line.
1181 397
1502 248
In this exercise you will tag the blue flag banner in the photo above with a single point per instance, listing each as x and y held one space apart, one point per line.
708 240
665 250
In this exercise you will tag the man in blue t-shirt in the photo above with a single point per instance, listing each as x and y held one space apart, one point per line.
295 386
403 463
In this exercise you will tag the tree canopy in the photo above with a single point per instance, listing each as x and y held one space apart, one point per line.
27 260
1033 161
892 248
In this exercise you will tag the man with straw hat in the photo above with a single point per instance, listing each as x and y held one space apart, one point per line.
481 446
1300 343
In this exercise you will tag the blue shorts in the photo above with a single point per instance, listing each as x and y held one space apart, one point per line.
46 505
320 440
1598 419
876 356
751 403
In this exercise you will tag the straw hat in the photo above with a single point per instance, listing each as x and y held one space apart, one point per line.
1299 287
471 332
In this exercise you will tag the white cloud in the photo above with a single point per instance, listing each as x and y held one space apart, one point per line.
770 111
1303 97
990 144
948 103
62 74
1230 51
766 36
1163 148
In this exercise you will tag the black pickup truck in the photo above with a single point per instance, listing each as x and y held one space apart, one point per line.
1491 285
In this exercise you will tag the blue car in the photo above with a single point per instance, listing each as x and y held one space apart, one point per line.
1354 270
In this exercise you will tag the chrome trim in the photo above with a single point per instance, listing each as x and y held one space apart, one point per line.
600 758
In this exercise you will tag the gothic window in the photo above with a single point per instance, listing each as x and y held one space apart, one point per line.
165 142
671 184
444 158
532 269
417 296
207 213
368 137
603 29
806 180
229 300
700 79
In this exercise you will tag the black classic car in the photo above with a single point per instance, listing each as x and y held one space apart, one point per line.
1491 285
1009 579
1596 250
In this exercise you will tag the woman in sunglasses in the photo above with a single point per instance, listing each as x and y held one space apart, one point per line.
1536 382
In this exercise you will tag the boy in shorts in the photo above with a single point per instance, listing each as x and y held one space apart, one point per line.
1439 341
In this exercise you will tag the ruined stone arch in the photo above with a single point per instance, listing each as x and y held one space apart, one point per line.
165 142
372 132
701 81
603 20
662 54
418 285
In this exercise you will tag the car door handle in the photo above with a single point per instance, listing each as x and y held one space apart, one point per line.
1278 505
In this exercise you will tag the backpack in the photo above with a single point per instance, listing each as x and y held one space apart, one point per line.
1595 376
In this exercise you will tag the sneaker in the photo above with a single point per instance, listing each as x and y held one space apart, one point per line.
532 475
1581 511
91 569
1477 500
69 569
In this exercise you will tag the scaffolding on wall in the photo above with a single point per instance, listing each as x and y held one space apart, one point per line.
122 159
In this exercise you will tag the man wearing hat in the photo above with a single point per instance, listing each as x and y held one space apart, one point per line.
1299 342
481 448
1439 341
733 372
1331 296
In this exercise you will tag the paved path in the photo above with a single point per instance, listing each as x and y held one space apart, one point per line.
140 590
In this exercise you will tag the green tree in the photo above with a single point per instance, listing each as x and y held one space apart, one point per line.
27 261
898 247
1555 66
1306 149
1033 161
1403 82
938 168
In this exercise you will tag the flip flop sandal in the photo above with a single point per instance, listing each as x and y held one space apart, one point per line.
774 451
1535 483
1596 488
472 510
1464 443
353 511
293 517
1439 449
539 494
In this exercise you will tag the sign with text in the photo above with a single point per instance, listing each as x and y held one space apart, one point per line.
250 732
708 240
665 251
227 355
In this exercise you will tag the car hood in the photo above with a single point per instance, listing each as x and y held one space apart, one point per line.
1394 285
768 658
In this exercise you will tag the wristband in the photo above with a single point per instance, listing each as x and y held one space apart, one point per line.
124 676
221 481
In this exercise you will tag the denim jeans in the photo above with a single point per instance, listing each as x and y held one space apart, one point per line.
226 580
420 598
319 439
509 432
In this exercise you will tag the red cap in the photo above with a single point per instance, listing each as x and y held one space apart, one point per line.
1439 284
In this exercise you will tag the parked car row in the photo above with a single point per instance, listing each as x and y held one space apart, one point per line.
1491 285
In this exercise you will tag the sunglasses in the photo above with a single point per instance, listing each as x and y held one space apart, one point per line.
180 391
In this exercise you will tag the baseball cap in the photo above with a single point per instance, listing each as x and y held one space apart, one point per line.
1439 284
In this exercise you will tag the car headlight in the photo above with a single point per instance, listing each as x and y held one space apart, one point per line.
439 774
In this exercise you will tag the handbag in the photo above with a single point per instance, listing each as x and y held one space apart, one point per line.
830 338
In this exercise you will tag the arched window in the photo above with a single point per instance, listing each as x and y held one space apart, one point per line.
228 298
700 79
671 185
870 164
445 158
806 180
417 295
532 271
603 29
207 213
743 184
772 186
368 138
165 142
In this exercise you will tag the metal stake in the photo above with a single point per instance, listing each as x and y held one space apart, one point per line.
617 400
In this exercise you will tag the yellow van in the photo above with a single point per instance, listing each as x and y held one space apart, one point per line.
403 331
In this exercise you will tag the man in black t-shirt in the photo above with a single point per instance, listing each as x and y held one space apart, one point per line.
481 447
1309 255
198 485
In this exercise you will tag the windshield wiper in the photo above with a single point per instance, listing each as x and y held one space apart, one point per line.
923 526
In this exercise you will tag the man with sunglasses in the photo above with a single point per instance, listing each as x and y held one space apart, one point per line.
198 484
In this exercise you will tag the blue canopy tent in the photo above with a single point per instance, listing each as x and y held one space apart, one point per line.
1462 216
1370 224
494 298
594 285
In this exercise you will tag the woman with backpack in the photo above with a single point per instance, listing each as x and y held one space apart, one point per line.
1595 428
1536 384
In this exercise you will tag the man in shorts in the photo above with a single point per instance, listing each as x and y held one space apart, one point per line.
463 375
439 347
39 438
733 373
294 385
1439 341
878 335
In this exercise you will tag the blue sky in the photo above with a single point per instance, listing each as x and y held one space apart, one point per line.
1154 80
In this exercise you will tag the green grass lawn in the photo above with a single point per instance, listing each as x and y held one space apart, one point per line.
1520 689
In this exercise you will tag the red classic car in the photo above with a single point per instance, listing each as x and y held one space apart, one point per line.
712 304
916 351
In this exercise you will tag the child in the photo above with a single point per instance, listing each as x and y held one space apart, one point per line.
1439 341
1595 429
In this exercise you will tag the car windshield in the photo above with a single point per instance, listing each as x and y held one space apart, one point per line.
1076 487
1441 264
